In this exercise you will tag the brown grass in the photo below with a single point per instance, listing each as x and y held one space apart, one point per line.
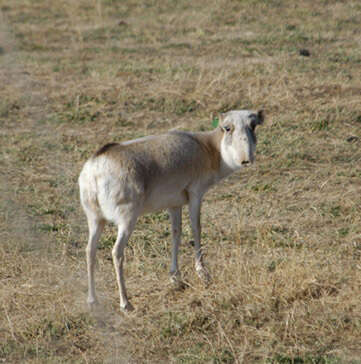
282 240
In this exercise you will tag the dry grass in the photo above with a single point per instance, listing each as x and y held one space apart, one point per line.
283 239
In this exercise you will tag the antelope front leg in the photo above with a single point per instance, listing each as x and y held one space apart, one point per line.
176 220
195 215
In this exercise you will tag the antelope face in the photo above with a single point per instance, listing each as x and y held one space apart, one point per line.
239 138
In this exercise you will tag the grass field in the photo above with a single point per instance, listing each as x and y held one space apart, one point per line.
282 239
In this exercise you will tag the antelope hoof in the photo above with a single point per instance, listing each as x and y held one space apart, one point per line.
204 275
176 281
175 278
127 308
92 303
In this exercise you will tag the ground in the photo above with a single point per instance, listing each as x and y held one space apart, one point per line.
282 239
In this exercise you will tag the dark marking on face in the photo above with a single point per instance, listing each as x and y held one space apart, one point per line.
256 119
252 134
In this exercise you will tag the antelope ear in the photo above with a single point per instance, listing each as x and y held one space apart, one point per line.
256 119
260 115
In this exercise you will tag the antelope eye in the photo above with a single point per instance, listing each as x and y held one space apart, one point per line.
227 128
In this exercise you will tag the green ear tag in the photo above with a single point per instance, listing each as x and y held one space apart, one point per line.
215 122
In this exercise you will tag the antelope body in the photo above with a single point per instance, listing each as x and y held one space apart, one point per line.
125 180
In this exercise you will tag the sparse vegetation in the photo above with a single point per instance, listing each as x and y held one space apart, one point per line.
282 240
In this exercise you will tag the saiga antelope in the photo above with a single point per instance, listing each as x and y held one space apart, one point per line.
122 181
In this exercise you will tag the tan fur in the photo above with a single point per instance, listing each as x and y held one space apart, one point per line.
125 180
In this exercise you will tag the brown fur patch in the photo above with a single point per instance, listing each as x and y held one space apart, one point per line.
104 149
212 143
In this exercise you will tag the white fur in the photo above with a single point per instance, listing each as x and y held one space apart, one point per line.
121 182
